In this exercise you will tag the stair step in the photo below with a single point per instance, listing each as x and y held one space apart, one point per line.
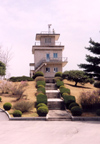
50 86
53 93
55 104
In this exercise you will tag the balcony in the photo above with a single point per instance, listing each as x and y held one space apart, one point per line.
47 44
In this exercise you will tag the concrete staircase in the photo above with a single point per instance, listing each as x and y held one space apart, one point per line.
55 103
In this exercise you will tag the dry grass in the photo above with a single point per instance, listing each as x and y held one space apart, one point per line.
29 95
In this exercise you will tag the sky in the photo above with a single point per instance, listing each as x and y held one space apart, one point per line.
75 20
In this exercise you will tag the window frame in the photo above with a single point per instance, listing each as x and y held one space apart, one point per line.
48 69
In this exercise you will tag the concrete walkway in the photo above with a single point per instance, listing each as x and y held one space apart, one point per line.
3 116
49 132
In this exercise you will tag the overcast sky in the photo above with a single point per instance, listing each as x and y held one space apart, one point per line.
20 20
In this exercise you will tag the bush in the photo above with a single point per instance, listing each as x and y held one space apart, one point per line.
40 104
5 86
17 113
41 98
64 94
59 83
0 99
21 78
24 106
64 90
97 84
42 111
68 100
7 106
72 105
76 111
40 86
39 73
98 112
90 101
39 78
58 74
57 79
41 90
40 83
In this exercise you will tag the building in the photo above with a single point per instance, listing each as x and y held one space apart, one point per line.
47 54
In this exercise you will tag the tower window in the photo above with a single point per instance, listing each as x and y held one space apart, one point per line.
47 40
55 55
55 69
47 69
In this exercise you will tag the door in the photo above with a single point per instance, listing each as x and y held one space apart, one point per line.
47 57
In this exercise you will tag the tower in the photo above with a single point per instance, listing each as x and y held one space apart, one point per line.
47 54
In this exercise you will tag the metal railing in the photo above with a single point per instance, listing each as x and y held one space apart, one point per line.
48 44
48 32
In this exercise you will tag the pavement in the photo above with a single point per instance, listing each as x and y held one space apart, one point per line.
49 132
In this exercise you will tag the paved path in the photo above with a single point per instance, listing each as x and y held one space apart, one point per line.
47 132
3 116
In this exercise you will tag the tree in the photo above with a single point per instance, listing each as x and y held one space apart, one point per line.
77 76
2 69
92 68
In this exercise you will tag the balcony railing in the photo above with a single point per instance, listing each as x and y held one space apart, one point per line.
52 60
46 44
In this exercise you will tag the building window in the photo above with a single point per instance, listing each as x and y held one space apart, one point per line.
47 69
47 40
55 55
55 69
48 57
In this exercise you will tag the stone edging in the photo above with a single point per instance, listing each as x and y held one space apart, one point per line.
79 118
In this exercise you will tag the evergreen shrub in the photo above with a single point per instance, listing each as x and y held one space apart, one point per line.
59 83
17 113
39 78
72 105
21 78
42 111
98 112
68 100
40 86
0 99
64 90
40 104
39 73
41 98
40 83
58 74
41 90
97 84
76 111
57 79
7 106
65 94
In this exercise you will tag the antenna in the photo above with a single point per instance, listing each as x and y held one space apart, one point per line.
49 25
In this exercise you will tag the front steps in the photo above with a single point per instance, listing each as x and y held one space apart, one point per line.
53 94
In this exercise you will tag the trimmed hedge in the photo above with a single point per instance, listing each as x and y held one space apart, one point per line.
40 83
59 83
40 104
17 113
58 74
42 111
68 100
7 106
57 79
41 90
72 105
64 90
21 78
41 98
39 73
97 84
65 94
39 86
39 78
76 111
0 99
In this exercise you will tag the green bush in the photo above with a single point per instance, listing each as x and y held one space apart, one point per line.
98 112
40 86
40 83
68 100
37 74
58 74
65 94
0 99
42 111
97 84
57 79
17 113
41 90
21 78
59 83
72 105
64 90
40 104
7 106
24 106
76 111
41 98
39 78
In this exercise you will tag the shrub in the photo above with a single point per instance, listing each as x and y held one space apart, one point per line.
64 94
7 106
5 86
24 106
64 90
41 98
76 111
59 83
42 111
21 78
17 113
39 73
68 100
0 99
97 84
57 79
40 83
41 90
98 112
40 104
40 86
58 74
39 78
72 105
90 101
